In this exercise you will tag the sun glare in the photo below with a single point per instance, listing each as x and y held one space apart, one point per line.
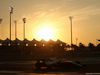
46 33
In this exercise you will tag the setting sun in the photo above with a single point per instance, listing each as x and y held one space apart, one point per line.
46 33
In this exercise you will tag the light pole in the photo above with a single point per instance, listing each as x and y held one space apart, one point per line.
11 11
76 41
96 42
24 21
0 23
71 29
15 29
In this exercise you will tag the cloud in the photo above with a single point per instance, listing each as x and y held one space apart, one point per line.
85 13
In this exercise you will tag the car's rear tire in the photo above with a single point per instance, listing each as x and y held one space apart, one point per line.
38 65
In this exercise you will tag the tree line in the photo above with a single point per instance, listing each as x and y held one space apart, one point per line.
81 46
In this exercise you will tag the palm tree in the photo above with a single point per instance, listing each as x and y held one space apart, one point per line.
98 46
81 46
91 46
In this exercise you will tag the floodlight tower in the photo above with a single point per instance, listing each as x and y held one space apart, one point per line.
15 29
24 21
0 23
11 11
70 17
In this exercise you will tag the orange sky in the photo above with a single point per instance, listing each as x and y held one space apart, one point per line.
53 15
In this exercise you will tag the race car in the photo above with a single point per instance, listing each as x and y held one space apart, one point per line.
58 64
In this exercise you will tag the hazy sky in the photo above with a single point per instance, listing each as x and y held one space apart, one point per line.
53 14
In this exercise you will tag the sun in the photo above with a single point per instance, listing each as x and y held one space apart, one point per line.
46 33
